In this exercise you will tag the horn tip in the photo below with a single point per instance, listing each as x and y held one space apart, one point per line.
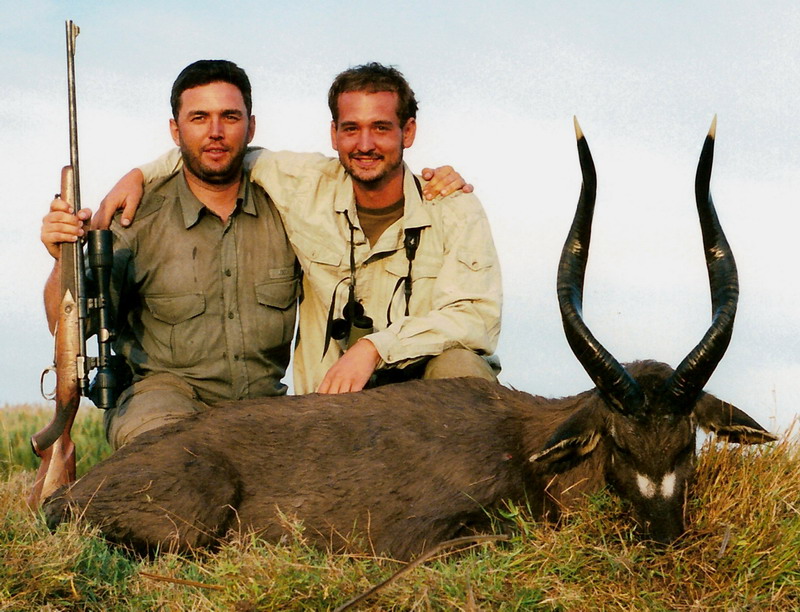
712 132
578 130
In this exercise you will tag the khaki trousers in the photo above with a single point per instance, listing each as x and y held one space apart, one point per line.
152 402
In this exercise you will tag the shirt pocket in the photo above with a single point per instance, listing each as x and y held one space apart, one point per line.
176 335
276 315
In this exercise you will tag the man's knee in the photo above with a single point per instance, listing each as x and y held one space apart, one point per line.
152 402
459 362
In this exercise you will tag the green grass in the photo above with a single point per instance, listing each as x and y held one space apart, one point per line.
19 423
740 553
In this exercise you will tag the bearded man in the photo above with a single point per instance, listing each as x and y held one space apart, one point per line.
205 284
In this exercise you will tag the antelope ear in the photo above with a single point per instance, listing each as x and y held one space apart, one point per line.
728 422
572 442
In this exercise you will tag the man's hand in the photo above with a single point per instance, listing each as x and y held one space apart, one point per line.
443 181
353 369
125 195
61 225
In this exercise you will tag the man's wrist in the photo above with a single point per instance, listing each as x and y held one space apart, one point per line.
375 339
369 350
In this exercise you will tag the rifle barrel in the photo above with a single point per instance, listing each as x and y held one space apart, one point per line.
74 199
72 34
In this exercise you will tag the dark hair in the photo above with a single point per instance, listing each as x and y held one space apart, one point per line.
203 72
372 78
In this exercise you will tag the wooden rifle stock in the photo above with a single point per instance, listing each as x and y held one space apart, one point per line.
53 443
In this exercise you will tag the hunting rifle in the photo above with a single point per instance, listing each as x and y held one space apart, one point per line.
79 315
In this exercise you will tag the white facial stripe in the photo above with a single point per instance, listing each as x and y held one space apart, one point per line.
646 486
668 485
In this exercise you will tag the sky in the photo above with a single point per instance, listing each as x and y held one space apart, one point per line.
498 87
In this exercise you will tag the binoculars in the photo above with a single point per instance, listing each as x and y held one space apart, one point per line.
351 326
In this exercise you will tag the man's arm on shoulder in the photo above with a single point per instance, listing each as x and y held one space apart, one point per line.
281 173
126 194
277 172
442 182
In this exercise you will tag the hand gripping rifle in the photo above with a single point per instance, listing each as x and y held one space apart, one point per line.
78 314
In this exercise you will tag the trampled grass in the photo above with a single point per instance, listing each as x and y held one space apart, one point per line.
740 553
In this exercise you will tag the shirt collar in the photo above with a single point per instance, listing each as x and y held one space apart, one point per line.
192 208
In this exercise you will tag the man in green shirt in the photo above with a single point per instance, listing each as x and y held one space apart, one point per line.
205 284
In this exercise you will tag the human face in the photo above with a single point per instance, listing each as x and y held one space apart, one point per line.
369 137
213 130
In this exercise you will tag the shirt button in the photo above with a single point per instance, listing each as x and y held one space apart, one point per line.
230 315
228 272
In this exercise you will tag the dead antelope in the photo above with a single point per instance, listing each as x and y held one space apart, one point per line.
406 466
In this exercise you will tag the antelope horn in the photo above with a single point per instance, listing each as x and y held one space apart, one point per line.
693 373
617 386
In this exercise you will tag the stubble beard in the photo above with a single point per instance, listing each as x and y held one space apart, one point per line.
370 178
224 175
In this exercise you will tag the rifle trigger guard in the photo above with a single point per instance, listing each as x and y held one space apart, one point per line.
45 372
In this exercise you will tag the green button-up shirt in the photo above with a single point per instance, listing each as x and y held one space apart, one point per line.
211 302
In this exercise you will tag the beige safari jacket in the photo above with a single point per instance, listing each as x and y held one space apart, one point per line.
456 293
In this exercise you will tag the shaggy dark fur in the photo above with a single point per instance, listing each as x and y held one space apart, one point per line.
402 467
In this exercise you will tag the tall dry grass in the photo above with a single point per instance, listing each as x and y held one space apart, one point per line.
740 553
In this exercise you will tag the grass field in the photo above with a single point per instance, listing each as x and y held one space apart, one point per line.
740 552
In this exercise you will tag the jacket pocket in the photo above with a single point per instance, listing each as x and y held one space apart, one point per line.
473 260
314 251
423 266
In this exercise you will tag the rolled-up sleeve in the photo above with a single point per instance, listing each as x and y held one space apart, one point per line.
164 166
